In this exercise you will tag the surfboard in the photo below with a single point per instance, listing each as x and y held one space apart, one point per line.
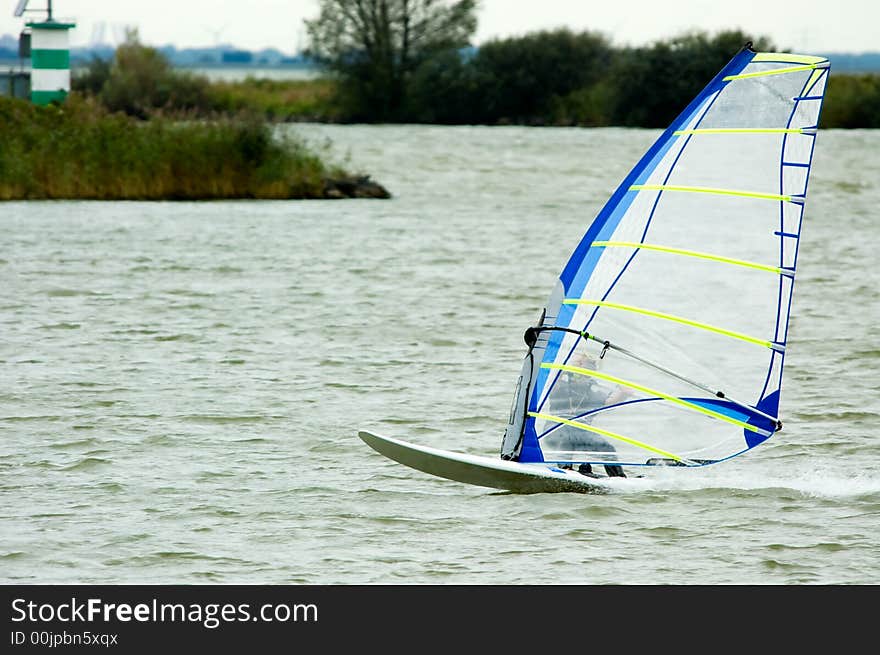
483 471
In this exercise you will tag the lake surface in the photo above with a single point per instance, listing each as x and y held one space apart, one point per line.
181 384
233 73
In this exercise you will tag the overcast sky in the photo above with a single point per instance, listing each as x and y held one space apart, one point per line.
802 25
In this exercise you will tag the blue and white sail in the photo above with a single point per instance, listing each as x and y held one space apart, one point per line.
664 339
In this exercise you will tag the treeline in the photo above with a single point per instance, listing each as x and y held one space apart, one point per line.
561 77
556 77
412 62
852 101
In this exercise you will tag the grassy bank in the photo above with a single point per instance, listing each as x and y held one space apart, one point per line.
276 100
79 150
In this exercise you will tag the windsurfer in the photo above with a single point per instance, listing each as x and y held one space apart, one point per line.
575 395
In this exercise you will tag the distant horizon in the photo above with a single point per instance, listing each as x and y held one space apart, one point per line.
278 24
10 39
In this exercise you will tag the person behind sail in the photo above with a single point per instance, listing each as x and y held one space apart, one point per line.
575 395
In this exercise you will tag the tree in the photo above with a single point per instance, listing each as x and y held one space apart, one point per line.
375 45
530 73
447 89
654 83
140 81
852 101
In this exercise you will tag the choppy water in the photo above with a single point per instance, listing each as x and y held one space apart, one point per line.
181 384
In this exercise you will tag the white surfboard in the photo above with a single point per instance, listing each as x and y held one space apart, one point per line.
483 471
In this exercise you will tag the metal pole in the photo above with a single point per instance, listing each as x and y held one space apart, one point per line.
50 9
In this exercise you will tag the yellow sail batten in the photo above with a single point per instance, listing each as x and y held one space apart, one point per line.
605 433
787 58
740 130
812 81
671 317
773 71
688 253
700 189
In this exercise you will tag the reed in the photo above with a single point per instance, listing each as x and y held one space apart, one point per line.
278 100
79 150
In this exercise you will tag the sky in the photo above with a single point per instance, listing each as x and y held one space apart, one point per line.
804 26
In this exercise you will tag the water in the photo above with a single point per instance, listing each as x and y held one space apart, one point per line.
233 73
181 384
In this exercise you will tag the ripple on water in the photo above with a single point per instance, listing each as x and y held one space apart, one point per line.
60 326
222 419
70 293
170 556
86 464
185 336
75 444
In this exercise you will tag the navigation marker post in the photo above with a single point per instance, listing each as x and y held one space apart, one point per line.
50 55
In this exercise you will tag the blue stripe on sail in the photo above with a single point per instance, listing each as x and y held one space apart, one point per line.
582 274
768 406
531 451
583 260
722 407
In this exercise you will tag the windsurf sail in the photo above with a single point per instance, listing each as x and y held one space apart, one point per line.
664 339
